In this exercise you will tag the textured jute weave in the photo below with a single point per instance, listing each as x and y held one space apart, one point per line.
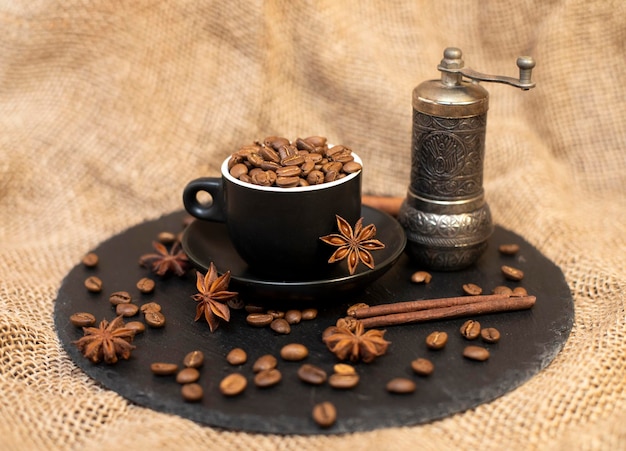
108 108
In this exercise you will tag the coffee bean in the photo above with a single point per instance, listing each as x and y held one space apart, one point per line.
512 273
351 167
194 359
120 297
288 171
470 329
280 326
254 308
315 177
126 310
324 414
259 319
476 353
508 249
343 368
136 326
90 260
421 277
329 331
316 141
423 367
287 182
187 375
163 368
235 303
501 289
192 392
293 316
238 170
490 335
472 289
276 313
267 378
233 384
166 237
343 381
265 362
294 352
82 319
154 319
145 285
309 314
400 385
93 284
519 291
436 340
312 374
150 307
237 356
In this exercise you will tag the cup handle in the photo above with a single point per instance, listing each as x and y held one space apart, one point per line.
212 212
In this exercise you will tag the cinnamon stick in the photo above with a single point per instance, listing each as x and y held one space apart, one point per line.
426 304
506 304
390 205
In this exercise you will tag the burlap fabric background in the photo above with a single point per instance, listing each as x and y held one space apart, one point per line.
108 108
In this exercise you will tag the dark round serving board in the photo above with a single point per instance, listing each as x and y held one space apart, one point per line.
530 341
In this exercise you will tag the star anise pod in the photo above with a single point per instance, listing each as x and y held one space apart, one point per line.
107 342
213 297
356 345
355 246
164 261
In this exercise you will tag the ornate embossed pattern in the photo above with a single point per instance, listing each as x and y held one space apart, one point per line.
446 241
445 230
447 156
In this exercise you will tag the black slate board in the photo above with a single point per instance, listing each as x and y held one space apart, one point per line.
530 341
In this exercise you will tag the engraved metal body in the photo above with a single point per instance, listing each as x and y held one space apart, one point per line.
445 216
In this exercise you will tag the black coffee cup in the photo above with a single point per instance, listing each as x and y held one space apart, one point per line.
275 230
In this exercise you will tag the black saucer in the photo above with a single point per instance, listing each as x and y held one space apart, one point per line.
205 242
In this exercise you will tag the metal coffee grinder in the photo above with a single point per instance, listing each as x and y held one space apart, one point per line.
445 216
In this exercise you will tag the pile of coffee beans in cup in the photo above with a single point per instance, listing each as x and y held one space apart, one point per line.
277 161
